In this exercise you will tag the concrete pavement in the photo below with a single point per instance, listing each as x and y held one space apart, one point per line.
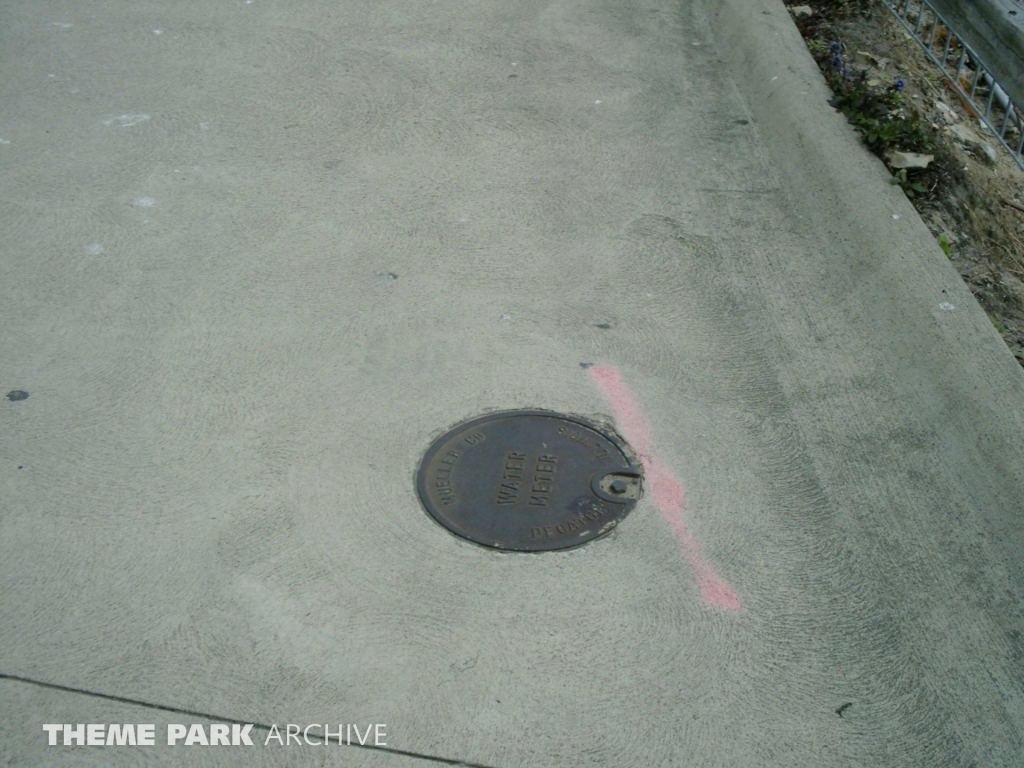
257 256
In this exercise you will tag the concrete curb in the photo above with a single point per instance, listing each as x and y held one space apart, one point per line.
877 245
819 155
822 158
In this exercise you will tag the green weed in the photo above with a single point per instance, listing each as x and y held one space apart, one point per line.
879 114
909 186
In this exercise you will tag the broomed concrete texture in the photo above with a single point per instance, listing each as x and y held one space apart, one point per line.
229 393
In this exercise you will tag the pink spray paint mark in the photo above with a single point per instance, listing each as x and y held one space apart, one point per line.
665 490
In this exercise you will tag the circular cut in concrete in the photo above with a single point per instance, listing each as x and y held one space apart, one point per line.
528 481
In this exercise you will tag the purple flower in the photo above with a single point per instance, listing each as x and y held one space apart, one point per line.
835 48
900 84
837 62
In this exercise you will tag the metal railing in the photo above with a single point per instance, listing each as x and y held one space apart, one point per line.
965 71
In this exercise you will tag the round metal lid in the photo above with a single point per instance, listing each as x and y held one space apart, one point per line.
528 481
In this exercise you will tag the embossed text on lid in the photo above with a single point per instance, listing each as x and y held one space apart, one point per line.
528 481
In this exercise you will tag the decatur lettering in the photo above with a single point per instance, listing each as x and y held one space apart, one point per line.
578 523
